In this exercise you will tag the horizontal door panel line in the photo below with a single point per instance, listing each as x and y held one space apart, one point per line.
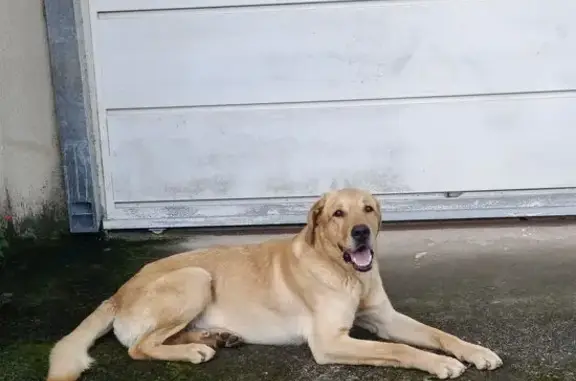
115 8
544 94
388 197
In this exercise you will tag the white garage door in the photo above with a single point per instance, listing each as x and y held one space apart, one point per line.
232 112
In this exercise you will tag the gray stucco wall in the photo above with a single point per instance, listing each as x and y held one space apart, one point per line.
30 176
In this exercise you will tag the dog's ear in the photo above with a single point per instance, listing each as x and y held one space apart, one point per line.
378 211
312 221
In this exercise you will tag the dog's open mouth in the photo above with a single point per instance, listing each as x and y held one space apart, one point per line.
361 258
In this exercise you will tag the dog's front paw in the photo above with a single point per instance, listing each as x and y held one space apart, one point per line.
445 367
200 353
482 358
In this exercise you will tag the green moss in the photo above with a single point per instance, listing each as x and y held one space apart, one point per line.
3 245
24 361
6 235
49 223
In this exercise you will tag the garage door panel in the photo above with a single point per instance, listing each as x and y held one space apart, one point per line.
483 143
234 112
334 51
294 211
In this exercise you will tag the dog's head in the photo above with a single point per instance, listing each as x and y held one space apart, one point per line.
345 223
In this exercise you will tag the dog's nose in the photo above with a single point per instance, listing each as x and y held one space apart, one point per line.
360 232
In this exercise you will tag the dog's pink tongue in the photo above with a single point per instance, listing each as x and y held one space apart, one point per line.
362 258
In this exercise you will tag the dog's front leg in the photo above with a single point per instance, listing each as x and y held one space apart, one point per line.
330 343
382 319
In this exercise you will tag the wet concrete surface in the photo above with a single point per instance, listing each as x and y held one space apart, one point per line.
512 289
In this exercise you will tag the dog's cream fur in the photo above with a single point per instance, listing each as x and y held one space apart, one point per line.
288 291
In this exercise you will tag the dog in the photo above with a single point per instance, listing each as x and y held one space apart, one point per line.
309 288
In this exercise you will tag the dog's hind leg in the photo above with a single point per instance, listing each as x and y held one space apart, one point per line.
215 338
151 347
166 307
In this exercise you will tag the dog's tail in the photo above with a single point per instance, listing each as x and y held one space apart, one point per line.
69 357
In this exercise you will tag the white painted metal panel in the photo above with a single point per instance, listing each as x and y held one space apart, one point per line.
544 202
301 150
335 51
241 112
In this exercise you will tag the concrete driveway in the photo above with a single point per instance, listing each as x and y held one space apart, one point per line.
512 289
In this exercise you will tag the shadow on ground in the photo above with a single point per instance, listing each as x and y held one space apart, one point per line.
519 304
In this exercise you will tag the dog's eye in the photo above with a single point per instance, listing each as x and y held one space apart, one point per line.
338 213
368 209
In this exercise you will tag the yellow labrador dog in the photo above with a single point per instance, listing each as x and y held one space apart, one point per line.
310 288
